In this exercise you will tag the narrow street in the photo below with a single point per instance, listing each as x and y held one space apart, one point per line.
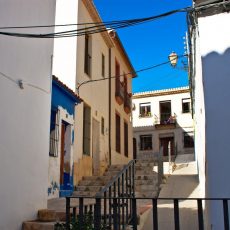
183 183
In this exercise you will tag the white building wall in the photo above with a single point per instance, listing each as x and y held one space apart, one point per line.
214 33
65 49
146 125
24 117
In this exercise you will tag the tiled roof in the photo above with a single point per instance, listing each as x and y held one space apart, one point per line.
60 83
161 92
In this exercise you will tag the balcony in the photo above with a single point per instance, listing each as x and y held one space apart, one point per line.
166 121
127 103
119 93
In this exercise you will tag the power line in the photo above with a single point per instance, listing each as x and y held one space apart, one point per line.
125 74
97 27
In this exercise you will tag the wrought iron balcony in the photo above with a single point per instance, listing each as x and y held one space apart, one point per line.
119 93
127 103
166 121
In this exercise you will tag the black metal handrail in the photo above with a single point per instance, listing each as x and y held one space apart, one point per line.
122 185
98 218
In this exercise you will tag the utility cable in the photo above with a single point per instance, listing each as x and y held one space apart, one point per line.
128 73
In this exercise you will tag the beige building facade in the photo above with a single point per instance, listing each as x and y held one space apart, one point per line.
103 130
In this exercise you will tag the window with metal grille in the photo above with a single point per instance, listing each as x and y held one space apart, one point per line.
54 133
146 142
188 140
118 132
126 138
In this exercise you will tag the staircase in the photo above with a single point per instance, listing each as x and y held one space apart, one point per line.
90 185
146 179
146 185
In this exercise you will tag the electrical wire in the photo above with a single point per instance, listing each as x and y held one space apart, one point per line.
128 73
97 27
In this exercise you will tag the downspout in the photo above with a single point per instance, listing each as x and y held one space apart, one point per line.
110 160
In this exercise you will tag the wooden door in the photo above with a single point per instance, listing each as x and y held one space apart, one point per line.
96 147
62 154
134 148
167 142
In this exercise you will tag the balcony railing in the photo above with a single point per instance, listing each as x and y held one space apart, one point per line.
101 220
119 93
127 103
165 121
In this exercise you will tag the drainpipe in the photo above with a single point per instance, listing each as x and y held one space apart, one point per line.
110 106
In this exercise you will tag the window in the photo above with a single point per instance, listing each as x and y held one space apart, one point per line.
126 138
165 110
117 74
186 105
145 109
88 54
86 129
118 129
103 65
146 142
188 140
102 126
54 133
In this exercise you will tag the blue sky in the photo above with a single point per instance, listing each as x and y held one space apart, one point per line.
150 43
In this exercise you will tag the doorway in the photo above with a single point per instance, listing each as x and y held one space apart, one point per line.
168 145
96 147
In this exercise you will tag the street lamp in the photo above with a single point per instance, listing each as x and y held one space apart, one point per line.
173 58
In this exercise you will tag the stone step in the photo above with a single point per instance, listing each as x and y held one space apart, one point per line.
145 172
88 188
98 178
116 167
84 193
147 194
145 164
38 225
144 187
93 182
146 177
146 182
111 173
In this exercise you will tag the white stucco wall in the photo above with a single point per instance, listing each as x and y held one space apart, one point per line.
146 125
214 36
25 113
65 49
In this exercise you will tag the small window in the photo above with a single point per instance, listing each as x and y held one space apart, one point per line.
118 133
88 55
54 133
188 140
145 109
186 105
126 139
102 126
103 65
146 142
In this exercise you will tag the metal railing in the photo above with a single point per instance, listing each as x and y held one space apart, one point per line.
114 205
99 218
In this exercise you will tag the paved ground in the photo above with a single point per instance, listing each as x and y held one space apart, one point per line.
183 183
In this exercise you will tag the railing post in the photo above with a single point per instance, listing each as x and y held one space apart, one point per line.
200 214
68 213
176 214
134 213
115 224
133 179
155 215
97 214
81 212
225 209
